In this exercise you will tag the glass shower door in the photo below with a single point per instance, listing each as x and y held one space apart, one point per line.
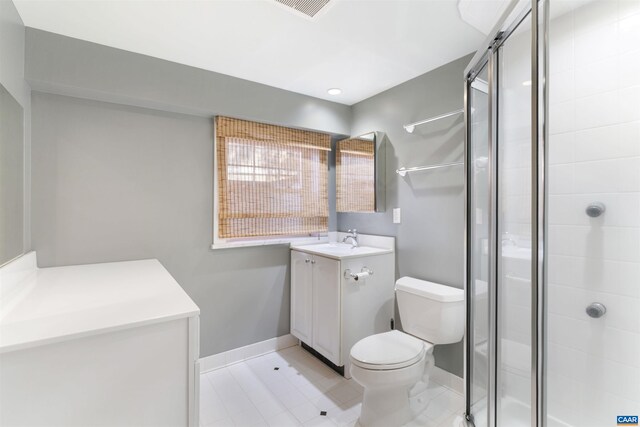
479 216
499 276
514 229
554 225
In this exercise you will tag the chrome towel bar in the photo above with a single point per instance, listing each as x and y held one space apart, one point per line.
403 171
411 126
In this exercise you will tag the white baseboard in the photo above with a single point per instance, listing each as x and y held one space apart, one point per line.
250 351
447 379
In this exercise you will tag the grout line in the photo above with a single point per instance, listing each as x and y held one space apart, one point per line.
578 257
586 321
590 227
585 162
624 296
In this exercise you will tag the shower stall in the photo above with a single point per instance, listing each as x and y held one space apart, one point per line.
552 114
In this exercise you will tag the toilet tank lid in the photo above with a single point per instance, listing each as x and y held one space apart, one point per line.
431 290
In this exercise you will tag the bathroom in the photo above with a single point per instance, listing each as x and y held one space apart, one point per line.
127 296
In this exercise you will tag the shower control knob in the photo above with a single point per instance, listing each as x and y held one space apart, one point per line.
596 310
595 209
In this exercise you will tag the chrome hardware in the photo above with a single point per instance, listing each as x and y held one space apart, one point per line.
307 260
596 310
403 171
313 261
412 126
353 235
364 272
595 209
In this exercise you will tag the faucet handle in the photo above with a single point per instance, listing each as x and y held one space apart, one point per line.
349 231
354 231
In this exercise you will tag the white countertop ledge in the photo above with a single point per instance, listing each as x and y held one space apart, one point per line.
48 305
340 251
369 245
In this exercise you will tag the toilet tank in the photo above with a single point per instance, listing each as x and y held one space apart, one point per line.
430 311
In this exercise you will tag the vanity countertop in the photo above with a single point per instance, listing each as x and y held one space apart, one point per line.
341 250
56 304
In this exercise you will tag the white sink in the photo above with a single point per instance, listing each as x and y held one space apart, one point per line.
340 250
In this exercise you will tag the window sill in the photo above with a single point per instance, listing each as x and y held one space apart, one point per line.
269 242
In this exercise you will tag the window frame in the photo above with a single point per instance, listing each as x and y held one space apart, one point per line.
243 242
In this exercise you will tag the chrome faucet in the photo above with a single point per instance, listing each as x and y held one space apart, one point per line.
353 235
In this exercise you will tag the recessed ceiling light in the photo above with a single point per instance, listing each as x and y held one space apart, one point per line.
334 91
526 83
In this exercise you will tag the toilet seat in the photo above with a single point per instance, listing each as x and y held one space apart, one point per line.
388 351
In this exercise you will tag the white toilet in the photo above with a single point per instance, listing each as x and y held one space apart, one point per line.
393 367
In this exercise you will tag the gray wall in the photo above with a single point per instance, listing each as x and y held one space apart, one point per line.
114 183
118 182
11 177
63 65
12 47
14 136
429 241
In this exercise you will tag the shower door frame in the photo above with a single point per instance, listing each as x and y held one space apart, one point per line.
516 12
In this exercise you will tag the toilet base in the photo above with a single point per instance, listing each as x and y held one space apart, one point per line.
385 407
397 404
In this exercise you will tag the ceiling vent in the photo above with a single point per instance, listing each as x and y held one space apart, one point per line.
308 7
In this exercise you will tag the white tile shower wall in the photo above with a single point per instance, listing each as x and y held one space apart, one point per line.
594 155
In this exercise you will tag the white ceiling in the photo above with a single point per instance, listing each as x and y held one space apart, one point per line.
361 46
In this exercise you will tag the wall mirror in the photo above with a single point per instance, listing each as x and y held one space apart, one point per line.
11 177
360 173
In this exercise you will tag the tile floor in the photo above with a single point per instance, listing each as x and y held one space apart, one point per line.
292 388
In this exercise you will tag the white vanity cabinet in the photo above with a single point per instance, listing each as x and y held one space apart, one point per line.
110 344
301 296
331 312
315 303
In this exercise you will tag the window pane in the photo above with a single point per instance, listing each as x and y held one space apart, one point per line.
271 180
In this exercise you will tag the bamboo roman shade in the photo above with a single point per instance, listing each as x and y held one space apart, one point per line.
272 180
355 175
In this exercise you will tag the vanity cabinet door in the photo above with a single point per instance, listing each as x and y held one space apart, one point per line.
326 308
301 296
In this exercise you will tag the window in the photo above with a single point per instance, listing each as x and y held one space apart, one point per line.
355 175
271 181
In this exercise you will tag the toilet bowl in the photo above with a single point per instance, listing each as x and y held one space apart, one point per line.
388 366
393 367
